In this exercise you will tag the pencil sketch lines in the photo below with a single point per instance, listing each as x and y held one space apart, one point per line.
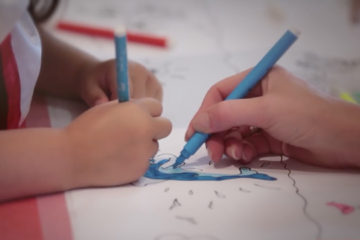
167 70
219 195
190 220
175 204
265 164
307 215
211 204
267 187
244 190
336 65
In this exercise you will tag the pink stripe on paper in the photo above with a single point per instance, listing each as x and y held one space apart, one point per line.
52 209
20 220
54 217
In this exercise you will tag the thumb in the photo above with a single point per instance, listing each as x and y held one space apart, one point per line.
232 113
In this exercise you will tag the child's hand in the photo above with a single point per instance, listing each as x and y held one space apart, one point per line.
290 119
99 83
69 72
113 142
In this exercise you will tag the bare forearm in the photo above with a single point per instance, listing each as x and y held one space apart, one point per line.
62 67
33 161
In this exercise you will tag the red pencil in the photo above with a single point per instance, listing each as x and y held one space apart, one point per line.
109 33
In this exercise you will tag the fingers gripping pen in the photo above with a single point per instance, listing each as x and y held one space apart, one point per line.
250 80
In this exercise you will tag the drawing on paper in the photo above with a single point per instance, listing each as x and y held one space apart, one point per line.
344 208
161 169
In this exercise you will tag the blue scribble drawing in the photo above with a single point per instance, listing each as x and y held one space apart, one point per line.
156 170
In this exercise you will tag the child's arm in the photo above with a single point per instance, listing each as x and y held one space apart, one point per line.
293 120
69 72
62 66
107 145
33 161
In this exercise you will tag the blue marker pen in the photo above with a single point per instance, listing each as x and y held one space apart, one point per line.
121 65
250 80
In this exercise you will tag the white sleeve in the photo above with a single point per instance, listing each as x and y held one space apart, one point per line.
10 12
26 44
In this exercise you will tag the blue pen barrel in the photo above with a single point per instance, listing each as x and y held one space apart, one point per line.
194 143
263 67
250 80
121 66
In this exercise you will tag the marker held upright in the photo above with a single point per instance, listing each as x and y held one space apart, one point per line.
121 65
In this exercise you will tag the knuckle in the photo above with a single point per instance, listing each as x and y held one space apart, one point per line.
217 115
278 70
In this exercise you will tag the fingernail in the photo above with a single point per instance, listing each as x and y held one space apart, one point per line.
234 153
247 152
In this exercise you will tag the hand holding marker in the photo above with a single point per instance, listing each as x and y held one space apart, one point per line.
250 80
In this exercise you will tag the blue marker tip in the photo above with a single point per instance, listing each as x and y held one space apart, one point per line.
250 80
179 161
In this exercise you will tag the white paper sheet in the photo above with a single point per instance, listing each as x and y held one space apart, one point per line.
212 40
295 206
